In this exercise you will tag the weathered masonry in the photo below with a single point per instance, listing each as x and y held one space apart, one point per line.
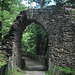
60 28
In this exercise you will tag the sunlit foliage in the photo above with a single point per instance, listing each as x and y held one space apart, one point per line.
34 39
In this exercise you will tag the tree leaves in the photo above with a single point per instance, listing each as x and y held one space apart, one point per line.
11 8
67 3
30 40
41 3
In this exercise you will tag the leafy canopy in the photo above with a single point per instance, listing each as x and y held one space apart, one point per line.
9 10
67 3
34 39
40 3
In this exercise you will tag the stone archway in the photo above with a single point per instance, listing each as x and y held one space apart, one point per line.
57 26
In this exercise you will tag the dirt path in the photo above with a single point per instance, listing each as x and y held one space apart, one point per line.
34 67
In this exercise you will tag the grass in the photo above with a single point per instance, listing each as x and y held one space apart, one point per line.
48 73
3 59
18 73
1 64
73 12
67 70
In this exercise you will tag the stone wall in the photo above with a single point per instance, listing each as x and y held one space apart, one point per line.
6 69
56 71
44 60
61 40
60 28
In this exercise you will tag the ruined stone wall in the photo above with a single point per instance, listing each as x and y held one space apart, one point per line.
61 40
7 68
60 28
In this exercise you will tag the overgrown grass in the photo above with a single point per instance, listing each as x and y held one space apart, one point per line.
18 73
48 73
3 59
73 11
1 64
67 70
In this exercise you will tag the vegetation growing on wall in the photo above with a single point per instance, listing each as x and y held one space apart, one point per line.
34 40
48 73
9 9
3 59
67 70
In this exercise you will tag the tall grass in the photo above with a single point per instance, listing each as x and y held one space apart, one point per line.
18 73
48 73
67 70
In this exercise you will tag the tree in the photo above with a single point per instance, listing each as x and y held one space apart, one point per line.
70 3
34 40
41 3
67 3
9 10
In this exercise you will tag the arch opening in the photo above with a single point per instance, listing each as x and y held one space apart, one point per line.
34 39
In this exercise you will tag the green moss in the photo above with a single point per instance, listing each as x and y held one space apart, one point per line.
68 70
54 7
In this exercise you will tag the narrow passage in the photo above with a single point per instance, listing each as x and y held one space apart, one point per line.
34 67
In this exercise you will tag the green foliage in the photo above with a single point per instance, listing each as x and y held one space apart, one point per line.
9 13
5 4
60 3
48 73
70 3
68 70
15 72
1 64
67 3
9 9
31 42
41 3
3 59
65 69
